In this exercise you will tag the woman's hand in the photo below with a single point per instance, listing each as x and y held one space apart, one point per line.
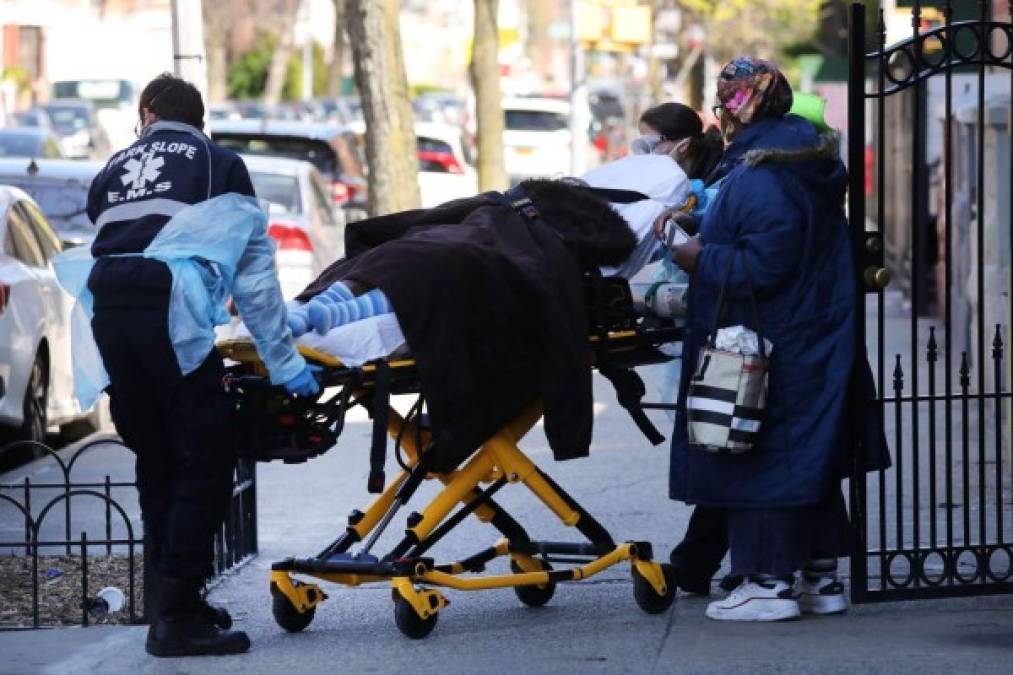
685 255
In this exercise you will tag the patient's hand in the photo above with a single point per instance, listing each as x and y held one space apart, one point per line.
659 222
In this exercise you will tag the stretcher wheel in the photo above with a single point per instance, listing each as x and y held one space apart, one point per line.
287 616
534 596
410 623
647 598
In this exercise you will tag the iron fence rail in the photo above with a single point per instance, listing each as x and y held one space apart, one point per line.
235 543
934 524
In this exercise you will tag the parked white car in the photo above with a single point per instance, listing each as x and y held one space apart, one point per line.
36 379
536 139
303 220
444 174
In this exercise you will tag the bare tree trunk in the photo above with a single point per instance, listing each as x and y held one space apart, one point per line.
282 52
218 72
484 73
337 64
391 153
218 18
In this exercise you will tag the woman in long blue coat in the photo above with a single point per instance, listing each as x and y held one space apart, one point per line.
777 224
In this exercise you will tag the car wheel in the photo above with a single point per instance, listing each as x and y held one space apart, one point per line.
33 427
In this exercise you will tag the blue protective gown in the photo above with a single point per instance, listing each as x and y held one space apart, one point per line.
214 249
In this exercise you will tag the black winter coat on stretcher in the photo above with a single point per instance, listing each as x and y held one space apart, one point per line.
492 305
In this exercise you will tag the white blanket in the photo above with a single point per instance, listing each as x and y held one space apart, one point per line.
658 177
355 343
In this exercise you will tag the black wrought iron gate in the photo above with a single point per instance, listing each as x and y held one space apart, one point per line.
930 139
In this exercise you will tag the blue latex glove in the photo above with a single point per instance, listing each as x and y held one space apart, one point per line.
305 383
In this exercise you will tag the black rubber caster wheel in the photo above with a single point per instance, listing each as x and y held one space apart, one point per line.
410 623
534 596
647 598
287 616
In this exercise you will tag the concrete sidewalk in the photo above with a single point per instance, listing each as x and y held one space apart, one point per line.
590 627
597 630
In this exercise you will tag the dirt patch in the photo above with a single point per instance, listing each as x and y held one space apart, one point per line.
60 588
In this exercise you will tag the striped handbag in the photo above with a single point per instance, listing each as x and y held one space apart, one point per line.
727 394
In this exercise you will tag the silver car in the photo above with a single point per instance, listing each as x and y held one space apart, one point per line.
308 228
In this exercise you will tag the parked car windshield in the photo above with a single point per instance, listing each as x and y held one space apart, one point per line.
278 189
535 120
318 153
68 118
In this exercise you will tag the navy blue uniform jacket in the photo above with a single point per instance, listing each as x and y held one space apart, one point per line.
172 166
781 210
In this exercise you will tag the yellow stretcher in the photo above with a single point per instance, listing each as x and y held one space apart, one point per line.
282 428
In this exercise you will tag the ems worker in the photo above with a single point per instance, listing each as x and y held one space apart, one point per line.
178 423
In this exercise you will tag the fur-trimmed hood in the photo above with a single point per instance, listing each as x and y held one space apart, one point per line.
791 143
828 147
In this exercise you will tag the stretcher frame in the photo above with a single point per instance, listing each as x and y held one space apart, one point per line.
414 578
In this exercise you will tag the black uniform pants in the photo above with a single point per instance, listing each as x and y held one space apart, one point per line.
179 428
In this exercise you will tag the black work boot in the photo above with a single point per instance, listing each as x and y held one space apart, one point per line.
184 628
219 616
687 579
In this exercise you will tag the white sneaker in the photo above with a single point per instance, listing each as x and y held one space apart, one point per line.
822 595
755 601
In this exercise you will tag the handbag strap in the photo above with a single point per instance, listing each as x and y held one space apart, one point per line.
719 313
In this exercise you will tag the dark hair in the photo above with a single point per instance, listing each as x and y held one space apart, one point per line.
674 121
703 154
173 99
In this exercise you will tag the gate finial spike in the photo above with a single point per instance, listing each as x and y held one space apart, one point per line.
997 343
916 16
898 375
965 371
881 28
932 346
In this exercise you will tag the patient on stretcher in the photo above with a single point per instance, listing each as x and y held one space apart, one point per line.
489 292
658 178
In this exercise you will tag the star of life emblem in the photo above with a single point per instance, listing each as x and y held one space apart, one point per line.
138 172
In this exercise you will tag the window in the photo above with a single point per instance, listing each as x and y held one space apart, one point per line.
425 144
323 203
64 203
48 240
318 153
278 189
535 120
26 247
68 119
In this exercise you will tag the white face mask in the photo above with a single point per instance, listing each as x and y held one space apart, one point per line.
644 145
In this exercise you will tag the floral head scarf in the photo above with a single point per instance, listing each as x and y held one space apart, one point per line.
750 89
